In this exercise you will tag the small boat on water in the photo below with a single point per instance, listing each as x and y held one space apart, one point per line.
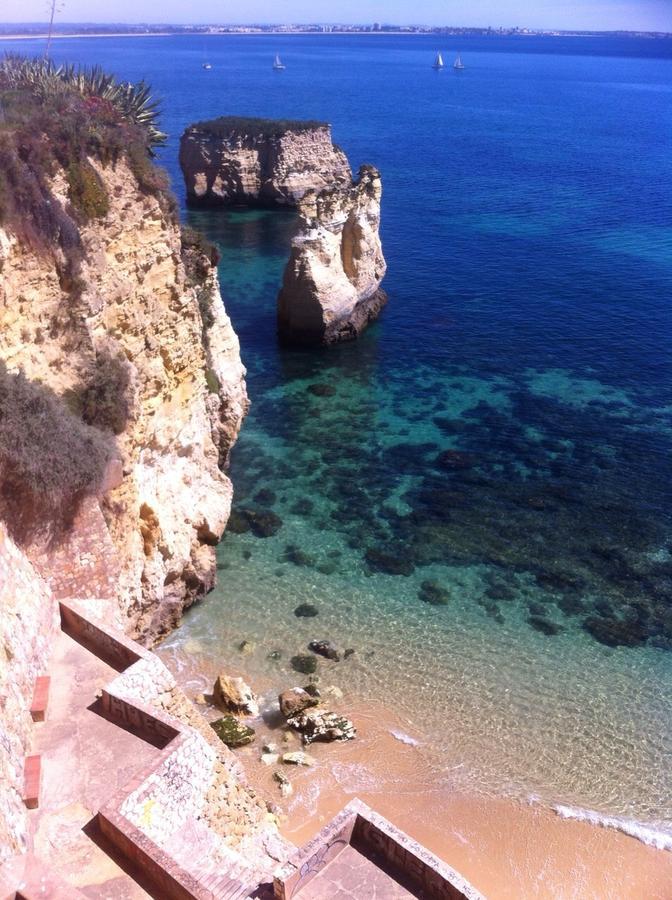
438 62
458 64
207 65
278 64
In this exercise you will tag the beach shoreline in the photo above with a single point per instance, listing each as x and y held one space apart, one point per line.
505 848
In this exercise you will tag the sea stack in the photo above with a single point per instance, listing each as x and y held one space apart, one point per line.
331 286
234 161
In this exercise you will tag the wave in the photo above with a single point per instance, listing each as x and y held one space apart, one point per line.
661 840
404 738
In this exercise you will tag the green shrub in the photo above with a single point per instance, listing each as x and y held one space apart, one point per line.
212 381
60 117
224 126
49 459
87 191
105 401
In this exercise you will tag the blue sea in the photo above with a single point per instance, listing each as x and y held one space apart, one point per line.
527 225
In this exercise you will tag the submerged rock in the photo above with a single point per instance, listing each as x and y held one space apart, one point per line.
545 626
238 523
306 611
297 556
453 460
235 695
615 632
326 649
432 592
321 390
294 701
381 561
232 732
305 664
316 725
265 497
263 523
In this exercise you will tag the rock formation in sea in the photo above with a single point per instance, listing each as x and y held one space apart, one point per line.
262 162
331 286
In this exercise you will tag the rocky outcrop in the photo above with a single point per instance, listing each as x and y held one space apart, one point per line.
146 349
236 161
233 694
331 286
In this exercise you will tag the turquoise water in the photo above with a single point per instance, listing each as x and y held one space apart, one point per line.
526 223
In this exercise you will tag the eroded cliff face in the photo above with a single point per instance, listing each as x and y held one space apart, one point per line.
331 286
252 162
150 349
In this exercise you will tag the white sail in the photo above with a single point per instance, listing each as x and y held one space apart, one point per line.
438 62
277 64
458 64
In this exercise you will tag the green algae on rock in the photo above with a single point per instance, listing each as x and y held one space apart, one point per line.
232 732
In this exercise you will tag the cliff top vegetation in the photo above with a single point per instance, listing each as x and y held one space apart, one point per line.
224 126
62 117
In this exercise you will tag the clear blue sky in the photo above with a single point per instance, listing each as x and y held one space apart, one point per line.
653 15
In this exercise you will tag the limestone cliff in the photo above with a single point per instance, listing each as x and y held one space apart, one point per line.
144 348
331 286
234 161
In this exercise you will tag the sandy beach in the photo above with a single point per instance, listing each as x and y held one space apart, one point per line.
507 849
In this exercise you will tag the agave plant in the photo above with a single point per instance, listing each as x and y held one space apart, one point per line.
44 78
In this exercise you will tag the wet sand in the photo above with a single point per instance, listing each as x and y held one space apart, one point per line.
507 850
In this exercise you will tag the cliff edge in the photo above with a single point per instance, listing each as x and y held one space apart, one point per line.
106 303
262 162
331 286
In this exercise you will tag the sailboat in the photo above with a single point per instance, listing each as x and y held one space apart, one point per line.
438 62
278 64
458 64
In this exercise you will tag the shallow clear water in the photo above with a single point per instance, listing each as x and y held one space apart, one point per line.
526 224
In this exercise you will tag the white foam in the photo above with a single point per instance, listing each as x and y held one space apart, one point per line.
661 840
404 738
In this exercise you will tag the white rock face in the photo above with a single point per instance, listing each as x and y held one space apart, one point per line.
331 286
251 164
185 398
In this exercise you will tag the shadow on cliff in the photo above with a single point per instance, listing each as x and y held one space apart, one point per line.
50 460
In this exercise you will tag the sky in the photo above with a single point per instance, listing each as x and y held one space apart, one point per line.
632 15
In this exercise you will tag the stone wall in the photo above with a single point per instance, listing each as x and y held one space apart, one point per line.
28 619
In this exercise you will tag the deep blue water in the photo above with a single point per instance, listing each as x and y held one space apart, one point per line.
527 224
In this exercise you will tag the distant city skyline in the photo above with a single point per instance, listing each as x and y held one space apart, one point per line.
597 15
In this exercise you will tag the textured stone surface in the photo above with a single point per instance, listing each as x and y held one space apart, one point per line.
244 167
331 286
28 619
186 396
234 694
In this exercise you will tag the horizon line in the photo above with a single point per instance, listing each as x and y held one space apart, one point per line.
369 26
